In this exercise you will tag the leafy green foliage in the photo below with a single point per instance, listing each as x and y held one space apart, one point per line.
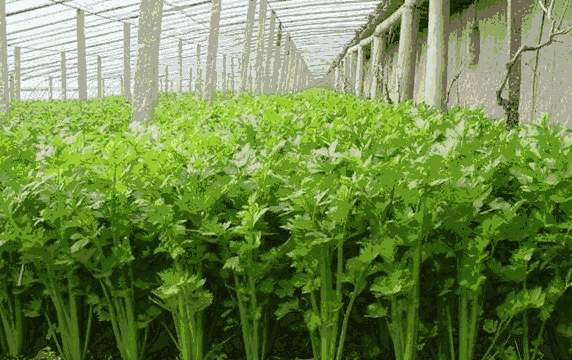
287 203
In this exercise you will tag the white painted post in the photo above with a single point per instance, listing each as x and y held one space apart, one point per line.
17 83
276 65
166 78
232 74
199 83
406 54
99 87
180 66
11 86
3 60
224 80
81 57
288 60
269 55
377 63
145 88
247 45
51 90
64 85
211 75
337 77
285 62
127 60
437 49
191 79
293 67
300 71
260 58
359 72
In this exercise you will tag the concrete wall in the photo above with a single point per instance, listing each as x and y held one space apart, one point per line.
477 85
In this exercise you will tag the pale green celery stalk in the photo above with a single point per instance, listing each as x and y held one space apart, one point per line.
315 335
123 321
497 334
450 327
197 327
188 320
247 329
363 274
267 337
13 327
67 319
325 307
469 309
413 314
526 346
254 307
397 327
121 308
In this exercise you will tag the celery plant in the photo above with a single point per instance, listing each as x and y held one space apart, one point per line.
12 318
316 239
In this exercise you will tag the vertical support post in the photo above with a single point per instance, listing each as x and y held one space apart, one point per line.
64 85
81 58
297 72
437 57
277 62
51 90
348 72
377 64
180 66
122 86
191 79
17 82
199 82
290 63
224 79
213 50
353 72
359 72
514 28
406 57
260 51
285 64
337 78
102 88
295 62
127 61
3 61
147 71
247 45
269 55
232 74
99 87
166 78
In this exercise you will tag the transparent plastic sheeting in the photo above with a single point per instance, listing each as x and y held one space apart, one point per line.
44 28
